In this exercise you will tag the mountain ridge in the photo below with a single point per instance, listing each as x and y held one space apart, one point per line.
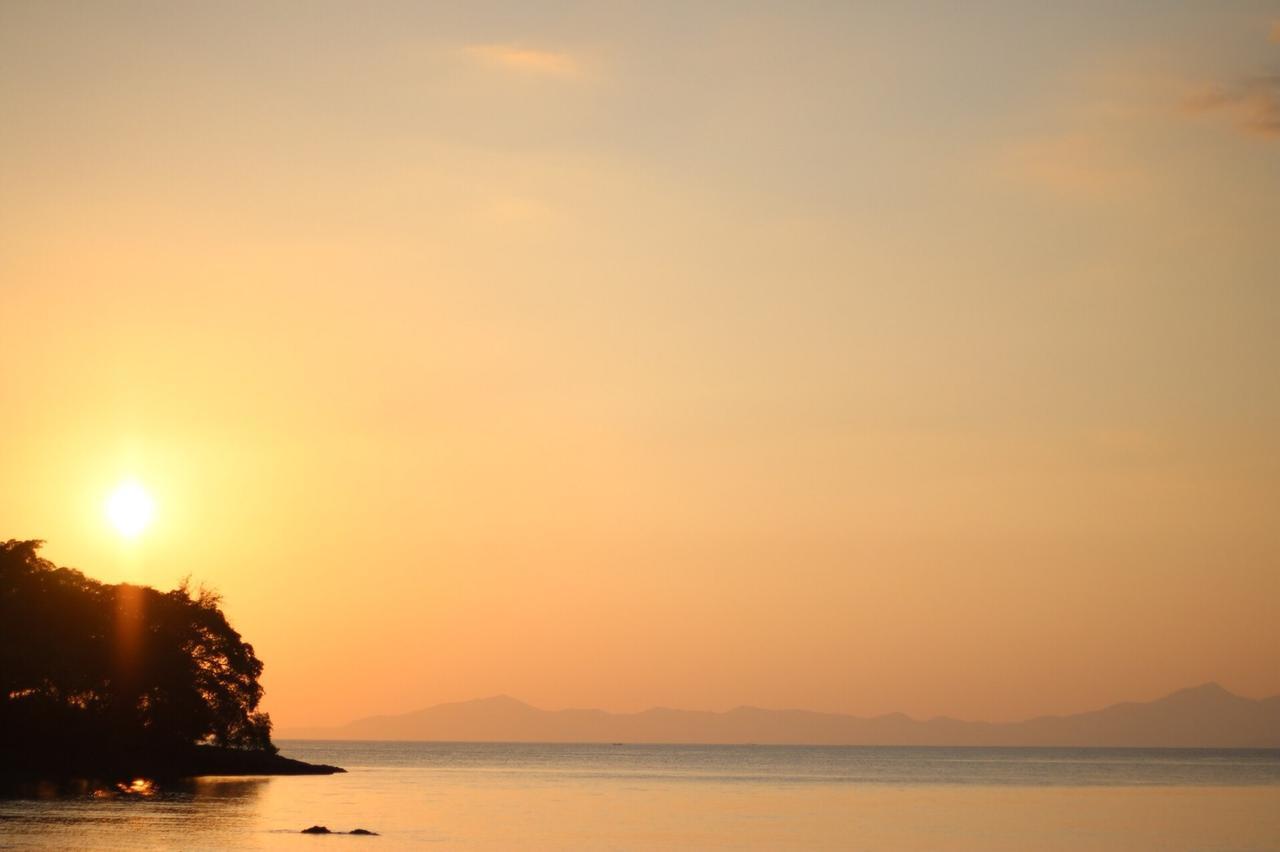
1202 716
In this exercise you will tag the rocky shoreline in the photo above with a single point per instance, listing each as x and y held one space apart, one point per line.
185 763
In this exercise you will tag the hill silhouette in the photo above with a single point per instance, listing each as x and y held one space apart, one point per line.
1206 716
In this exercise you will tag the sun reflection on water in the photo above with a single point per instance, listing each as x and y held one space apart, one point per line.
139 787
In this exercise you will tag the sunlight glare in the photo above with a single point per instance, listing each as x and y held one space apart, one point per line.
130 509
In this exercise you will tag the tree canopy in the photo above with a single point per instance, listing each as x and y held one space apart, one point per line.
86 665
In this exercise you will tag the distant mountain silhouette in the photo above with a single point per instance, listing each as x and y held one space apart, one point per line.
1206 716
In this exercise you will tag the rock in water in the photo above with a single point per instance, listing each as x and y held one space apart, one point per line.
365 831
316 829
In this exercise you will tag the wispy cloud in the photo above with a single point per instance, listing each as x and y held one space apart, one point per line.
1253 104
1086 141
1083 166
525 60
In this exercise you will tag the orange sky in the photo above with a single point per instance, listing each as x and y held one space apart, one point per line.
845 359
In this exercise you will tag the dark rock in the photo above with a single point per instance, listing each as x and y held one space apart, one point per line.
316 829
111 762
209 760
365 831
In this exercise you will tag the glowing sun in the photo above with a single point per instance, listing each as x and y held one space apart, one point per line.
129 508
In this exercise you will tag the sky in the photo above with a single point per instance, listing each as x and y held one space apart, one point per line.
855 357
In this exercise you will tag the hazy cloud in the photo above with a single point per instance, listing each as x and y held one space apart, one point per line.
1083 166
525 60
1254 104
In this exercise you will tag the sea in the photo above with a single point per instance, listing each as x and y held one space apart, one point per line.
521 796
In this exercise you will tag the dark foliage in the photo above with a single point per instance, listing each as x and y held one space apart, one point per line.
88 668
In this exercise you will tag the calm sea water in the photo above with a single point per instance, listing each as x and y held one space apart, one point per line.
527 796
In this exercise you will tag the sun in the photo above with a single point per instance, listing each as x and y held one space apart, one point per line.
130 508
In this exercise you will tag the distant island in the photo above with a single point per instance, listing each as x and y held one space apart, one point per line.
123 681
1206 716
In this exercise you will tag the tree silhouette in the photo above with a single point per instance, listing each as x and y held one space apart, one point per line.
88 667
